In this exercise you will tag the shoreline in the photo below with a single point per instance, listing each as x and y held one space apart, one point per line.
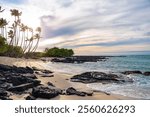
60 80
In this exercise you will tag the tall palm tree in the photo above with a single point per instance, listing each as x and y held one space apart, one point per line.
11 36
22 29
1 10
3 24
26 39
31 40
16 14
37 36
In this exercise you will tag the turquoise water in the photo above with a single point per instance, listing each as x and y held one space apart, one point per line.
139 89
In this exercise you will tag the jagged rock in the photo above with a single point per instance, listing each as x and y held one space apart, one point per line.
3 92
131 72
51 84
38 73
14 69
47 75
46 71
29 76
79 59
89 93
73 91
5 85
44 92
22 87
81 93
5 98
91 77
35 69
146 73
30 98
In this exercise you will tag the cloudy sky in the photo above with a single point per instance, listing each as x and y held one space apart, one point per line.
88 26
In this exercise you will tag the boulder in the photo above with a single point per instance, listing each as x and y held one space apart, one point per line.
50 84
28 75
47 75
146 73
30 98
3 92
79 59
21 88
5 98
92 77
5 85
44 92
131 72
73 91
46 71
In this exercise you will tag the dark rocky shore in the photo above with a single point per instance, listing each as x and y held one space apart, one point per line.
82 59
23 80
79 59
101 77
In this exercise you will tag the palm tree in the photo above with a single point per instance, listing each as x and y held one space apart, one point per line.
37 36
26 39
31 40
11 36
3 24
16 14
1 10
22 29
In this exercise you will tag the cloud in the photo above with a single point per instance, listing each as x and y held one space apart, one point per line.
84 23
116 43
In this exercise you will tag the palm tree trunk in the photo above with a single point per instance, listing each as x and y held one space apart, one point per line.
5 32
35 47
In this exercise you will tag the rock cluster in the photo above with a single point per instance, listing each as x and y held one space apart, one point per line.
99 77
16 79
79 59
20 80
147 73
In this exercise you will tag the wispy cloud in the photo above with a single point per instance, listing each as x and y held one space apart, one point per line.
89 23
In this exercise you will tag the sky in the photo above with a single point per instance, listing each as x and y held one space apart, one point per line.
89 27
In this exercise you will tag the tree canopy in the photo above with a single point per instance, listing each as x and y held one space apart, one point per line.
58 52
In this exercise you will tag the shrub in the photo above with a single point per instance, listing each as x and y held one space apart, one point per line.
58 52
14 51
3 45
34 55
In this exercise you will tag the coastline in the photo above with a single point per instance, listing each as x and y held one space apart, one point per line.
60 80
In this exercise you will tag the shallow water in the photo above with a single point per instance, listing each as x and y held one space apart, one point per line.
138 89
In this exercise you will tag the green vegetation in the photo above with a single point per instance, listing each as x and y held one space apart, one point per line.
58 52
34 55
3 45
14 51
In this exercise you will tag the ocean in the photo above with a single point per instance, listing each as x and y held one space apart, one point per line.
139 89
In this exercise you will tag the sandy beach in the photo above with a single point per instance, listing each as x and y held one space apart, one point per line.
60 80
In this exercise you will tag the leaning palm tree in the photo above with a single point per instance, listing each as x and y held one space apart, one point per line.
11 36
22 29
16 14
1 10
3 24
31 39
37 37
